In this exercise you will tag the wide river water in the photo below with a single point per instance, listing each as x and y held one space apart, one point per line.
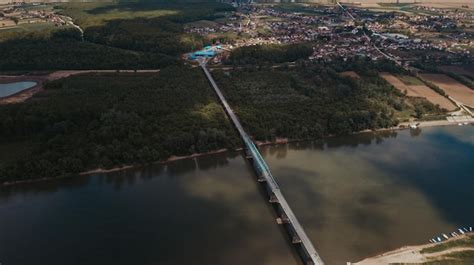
356 196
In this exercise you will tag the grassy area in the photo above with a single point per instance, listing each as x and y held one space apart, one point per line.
97 14
466 256
299 8
410 80
125 35
394 4
456 258
22 29
464 242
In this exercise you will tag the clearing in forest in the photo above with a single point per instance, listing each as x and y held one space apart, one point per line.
350 74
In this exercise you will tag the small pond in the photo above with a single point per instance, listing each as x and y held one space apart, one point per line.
13 88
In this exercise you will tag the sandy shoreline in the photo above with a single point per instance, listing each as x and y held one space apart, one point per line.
413 254
278 141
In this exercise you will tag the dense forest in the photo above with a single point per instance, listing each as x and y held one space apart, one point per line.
269 53
313 100
163 33
129 35
64 51
107 120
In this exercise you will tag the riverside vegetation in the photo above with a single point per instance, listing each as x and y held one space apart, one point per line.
110 120
311 100
106 120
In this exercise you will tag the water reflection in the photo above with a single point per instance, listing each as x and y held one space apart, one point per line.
356 202
207 210
356 196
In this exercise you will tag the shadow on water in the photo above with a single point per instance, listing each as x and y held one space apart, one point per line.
440 165
357 202
442 169
161 214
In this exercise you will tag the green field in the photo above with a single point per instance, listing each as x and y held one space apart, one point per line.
465 242
25 29
454 258
97 14
119 35
410 80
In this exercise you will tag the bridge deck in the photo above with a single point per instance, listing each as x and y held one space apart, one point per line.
261 166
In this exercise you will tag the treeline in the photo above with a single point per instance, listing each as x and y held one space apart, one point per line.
364 65
465 80
163 32
107 120
156 35
461 78
270 53
109 41
309 101
64 50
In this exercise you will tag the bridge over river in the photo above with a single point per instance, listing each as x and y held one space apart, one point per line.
286 217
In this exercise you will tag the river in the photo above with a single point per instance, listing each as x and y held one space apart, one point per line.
356 196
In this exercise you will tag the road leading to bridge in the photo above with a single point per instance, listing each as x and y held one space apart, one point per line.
286 216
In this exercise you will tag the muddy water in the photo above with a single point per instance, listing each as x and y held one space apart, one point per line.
366 194
356 196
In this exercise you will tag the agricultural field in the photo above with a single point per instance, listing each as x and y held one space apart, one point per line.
418 89
409 80
460 70
452 87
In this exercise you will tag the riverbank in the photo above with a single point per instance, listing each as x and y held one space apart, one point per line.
116 169
424 253
278 141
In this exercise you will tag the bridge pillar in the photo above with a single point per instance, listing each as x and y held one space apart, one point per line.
273 199
283 219
296 240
